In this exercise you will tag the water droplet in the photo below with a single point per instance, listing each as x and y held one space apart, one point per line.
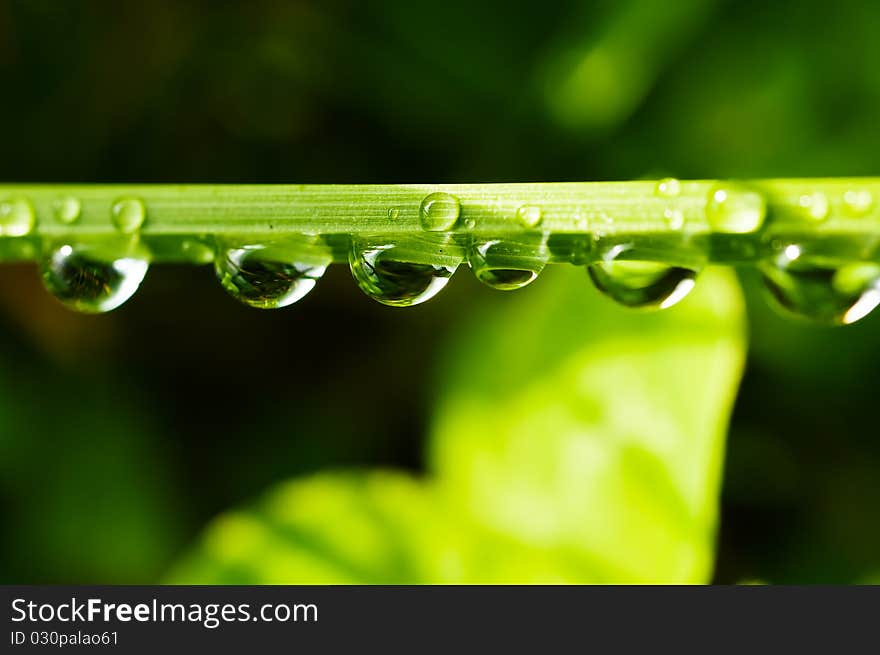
89 281
251 275
734 210
470 223
390 278
128 214
17 217
66 209
668 187
674 218
393 213
637 283
529 215
197 251
820 288
501 265
439 211
815 204
858 202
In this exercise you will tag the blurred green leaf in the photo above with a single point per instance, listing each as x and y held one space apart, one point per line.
575 442
574 425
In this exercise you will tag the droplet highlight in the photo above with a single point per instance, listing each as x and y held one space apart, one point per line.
821 289
17 218
637 283
735 211
259 280
439 212
389 277
128 214
499 265
66 209
88 281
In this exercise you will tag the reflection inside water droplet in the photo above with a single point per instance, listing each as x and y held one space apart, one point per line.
257 277
638 283
504 266
88 280
821 288
387 274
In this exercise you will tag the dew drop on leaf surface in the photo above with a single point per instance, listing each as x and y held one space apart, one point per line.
439 211
734 210
66 209
17 218
128 214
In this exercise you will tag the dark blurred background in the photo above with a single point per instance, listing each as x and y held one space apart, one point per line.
121 435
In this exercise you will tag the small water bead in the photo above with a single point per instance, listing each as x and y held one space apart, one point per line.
439 211
128 214
197 251
66 209
636 283
390 278
816 205
88 281
470 223
393 213
821 289
258 279
497 264
668 188
529 215
735 211
674 218
17 218
858 202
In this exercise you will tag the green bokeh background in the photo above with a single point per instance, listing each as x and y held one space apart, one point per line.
121 436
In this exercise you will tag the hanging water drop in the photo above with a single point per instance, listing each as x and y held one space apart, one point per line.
89 281
439 211
17 218
529 215
128 214
388 276
735 211
503 266
262 281
636 283
66 209
819 288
